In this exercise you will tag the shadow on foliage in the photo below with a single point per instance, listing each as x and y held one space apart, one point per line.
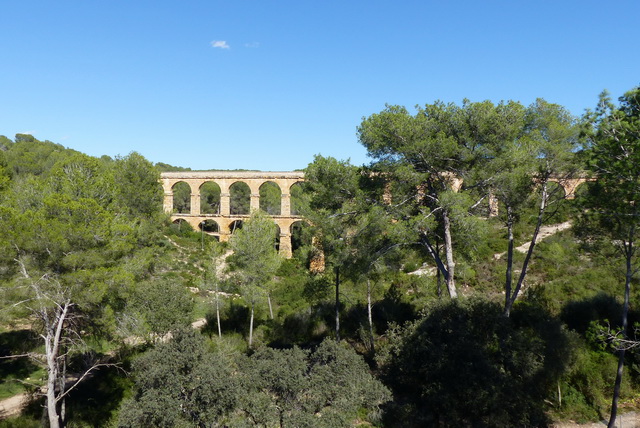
465 365
234 317
392 309
578 315
16 342
97 398
304 328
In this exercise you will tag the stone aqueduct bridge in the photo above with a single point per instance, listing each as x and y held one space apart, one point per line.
284 180
224 219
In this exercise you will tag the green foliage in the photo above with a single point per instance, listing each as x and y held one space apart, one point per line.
324 388
270 194
587 386
5 172
464 364
615 159
91 230
255 256
210 198
14 370
30 156
156 308
137 191
165 167
182 198
180 383
240 198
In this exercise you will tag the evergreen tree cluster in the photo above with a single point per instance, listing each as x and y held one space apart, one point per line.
424 289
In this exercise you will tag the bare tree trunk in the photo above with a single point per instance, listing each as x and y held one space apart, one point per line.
337 304
251 327
52 350
625 312
61 389
438 271
370 315
448 250
270 308
52 377
218 309
509 272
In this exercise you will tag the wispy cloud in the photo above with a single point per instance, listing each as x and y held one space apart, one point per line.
252 45
222 44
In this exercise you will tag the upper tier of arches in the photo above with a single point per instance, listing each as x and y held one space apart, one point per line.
228 193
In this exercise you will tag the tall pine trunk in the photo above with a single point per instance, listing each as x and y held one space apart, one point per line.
337 304
370 315
218 309
541 210
251 327
448 250
629 249
509 272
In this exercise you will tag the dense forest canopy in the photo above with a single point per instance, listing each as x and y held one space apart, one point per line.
453 281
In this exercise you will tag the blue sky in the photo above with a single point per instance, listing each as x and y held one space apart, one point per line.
267 84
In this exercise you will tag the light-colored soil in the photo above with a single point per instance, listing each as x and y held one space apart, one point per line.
626 420
12 406
545 232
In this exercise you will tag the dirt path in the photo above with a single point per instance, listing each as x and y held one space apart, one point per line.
545 232
12 406
626 420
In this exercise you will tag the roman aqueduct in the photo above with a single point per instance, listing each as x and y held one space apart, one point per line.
223 220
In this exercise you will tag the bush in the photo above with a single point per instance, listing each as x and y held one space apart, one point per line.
465 364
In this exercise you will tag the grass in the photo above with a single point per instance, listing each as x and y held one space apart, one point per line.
18 375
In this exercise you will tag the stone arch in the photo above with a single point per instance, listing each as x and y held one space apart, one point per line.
209 226
270 198
210 198
181 198
556 190
581 189
299 237
276 242
240 194
296 191
182 225
235 225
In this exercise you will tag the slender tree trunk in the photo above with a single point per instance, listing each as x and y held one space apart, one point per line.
438 272
62 385
270 308
448 250
433 252
52 377
52 349
251 327
370 315
218 309
509 272
532 244
337 304
625 311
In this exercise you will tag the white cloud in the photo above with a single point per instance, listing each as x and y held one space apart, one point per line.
252 45
222 44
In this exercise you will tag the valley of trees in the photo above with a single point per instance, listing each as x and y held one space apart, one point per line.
427 288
